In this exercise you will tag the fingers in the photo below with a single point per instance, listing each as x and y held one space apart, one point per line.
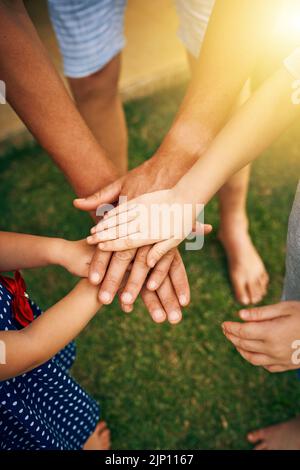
202 229
160 271
153 305
256 331
256 436
127 308
123 218
126 243
256 359
113 233
180 280
123 211
247 345
98 266
255 290
159 250
240 289
169 301
109 194
137 277
260 314
113 278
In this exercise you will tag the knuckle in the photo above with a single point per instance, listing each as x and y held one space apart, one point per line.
124 255
141 265
245 330
170 255
142 254
99 263
160 271
133 285
112 282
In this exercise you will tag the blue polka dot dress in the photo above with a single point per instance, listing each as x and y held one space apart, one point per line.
44 408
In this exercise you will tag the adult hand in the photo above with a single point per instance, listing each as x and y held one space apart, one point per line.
147 177
270 336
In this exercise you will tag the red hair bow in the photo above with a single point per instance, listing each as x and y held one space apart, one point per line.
21 308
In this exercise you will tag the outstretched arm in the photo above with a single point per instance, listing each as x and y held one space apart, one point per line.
42 339
253 128
22 251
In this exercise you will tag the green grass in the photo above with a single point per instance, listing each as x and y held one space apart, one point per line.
161 386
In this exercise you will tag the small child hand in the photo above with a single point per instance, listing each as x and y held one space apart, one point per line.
162 218
76 257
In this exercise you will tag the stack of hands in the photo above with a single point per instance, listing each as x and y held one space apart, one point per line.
154 268
125 270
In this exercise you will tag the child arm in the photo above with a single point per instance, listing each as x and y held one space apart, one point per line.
47 335
22 251
269 112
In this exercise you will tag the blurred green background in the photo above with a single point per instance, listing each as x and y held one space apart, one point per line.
162 386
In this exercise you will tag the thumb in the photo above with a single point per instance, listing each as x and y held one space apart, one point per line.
202 229
107 195
159 250
263 313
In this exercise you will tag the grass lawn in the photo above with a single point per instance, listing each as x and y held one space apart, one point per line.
165 387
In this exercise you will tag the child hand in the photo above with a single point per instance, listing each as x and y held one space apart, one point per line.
76 257
162 218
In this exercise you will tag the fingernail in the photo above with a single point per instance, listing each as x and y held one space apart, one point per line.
183 300
127 298
95 278
89 239
93 230
244 314
245 300
158 315
174 316
152 285
105 297
80 199
127 308
151 263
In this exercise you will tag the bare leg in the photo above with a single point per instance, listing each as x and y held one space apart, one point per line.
284 436
247 272
100 439
99 103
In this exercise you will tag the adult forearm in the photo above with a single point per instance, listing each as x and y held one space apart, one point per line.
236 36
250 131
38 95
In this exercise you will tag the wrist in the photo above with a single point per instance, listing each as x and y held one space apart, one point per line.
57 251
186 141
